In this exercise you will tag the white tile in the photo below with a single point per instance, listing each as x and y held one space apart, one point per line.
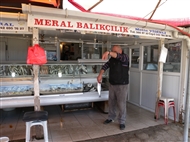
75 130
34 140
113 131
96 134
59 133
77 125
128 128
139 125
79 136
18 136
91 128
87 123
62 139
71 124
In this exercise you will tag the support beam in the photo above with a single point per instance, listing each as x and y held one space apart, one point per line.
187 104
154 10
160 75
38 129
160 71
36 73
95 5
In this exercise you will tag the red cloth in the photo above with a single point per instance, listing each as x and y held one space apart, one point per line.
36 55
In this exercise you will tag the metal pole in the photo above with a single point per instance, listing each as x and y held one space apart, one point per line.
160 77
187 106
82 50
58 51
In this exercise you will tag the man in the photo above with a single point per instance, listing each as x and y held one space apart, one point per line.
118 66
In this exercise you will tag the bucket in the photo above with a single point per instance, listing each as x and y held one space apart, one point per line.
4 139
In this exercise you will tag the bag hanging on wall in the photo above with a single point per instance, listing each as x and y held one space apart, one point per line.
36 55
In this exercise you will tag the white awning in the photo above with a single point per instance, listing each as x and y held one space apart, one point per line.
168 9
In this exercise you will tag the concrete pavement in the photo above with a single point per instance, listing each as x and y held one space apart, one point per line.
173 132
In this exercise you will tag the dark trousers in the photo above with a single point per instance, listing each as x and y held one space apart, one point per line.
117 98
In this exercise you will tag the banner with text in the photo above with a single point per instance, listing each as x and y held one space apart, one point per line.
7 25
84 25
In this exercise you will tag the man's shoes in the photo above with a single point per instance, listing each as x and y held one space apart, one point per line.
107 121
122 126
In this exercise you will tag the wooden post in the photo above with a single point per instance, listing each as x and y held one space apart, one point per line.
38 129
36 74
36 88
160 76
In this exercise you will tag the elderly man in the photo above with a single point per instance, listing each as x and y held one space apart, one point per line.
118 66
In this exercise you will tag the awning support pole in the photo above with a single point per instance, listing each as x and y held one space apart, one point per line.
38 129
187 106
160 76
36 74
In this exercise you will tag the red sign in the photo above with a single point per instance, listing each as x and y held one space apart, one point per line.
79 25
45 21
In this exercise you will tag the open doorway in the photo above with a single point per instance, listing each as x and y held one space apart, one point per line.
70 51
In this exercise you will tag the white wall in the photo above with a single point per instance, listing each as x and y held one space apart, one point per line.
145 94
170 88
17 49
134 81
149 90
2 50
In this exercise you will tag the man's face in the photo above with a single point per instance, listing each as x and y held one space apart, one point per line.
116 49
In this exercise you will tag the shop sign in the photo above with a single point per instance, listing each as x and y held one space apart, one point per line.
8 25
82 25
150 32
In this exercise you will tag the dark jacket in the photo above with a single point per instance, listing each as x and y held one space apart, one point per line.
119 67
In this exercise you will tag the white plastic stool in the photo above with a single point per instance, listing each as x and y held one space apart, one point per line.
36 118
4 139
166 103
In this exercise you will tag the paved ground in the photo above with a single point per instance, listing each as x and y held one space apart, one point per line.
173 132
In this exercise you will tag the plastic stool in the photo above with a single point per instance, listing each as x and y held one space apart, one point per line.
36 118
166 103
4 139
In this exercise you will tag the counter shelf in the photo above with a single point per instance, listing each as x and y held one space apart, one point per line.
16 80
70 77
59 82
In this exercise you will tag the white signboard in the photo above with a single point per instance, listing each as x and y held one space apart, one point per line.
84 25
8 25
163 54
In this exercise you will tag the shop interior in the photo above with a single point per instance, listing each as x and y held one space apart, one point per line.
74 60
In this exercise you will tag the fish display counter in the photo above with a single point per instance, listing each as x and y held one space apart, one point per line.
16 80
63 82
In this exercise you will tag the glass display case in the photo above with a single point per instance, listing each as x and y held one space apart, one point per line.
71 77
62 77
16 80
54 78
89 78
65 82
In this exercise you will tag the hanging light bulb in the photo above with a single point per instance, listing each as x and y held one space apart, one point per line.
13 74
59 74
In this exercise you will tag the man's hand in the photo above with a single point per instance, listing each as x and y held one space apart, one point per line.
99 78
105 55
